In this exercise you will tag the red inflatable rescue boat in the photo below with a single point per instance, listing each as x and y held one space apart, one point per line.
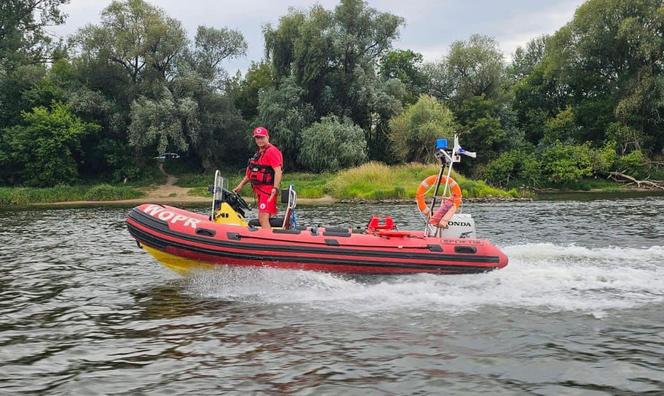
183 240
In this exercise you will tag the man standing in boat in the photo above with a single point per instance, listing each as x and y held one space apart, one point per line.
264 173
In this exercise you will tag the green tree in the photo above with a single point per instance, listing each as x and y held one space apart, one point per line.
130 56
14 89
562 127
25 48
22 36
475 67
163 91
607 63
136 36
386 98
44 147
334 57
222 135
246 91
526 59
95 92
482 123
471 80
284 112
439 83
169 122
405 65
537 97
414 132
332 144
213 46
515 168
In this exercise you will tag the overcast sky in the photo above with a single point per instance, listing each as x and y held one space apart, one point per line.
431 25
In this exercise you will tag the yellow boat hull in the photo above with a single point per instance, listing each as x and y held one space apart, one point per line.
181 265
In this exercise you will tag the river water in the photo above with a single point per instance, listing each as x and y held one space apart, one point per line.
578 310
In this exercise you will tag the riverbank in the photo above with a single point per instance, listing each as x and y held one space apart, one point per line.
203 201
195 201
369 183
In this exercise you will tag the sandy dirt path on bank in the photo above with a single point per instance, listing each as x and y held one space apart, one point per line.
167 193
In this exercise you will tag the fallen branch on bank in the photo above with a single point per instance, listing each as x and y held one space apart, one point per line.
623 178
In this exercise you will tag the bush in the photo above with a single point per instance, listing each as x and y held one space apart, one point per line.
565 165
330 145
625 137
633 164
413 133
603 160
514 168
43 146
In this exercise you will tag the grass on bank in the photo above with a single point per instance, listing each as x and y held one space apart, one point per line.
371 181
374 180
12 196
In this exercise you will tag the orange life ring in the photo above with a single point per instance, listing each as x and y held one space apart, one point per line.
430 182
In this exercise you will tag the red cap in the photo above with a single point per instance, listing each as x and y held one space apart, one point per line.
260 131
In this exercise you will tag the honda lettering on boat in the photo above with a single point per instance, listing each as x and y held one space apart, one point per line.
459 224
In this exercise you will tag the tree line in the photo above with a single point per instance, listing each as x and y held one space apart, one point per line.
583 102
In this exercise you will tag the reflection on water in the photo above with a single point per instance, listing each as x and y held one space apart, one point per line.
578 310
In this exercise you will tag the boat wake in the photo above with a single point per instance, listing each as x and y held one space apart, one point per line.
540 276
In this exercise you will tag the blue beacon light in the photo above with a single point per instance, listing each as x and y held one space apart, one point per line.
441 144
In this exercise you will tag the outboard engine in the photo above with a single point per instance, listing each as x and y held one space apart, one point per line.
461 225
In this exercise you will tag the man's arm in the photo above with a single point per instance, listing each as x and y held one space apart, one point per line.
277 176
277 182
447 216
241 184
